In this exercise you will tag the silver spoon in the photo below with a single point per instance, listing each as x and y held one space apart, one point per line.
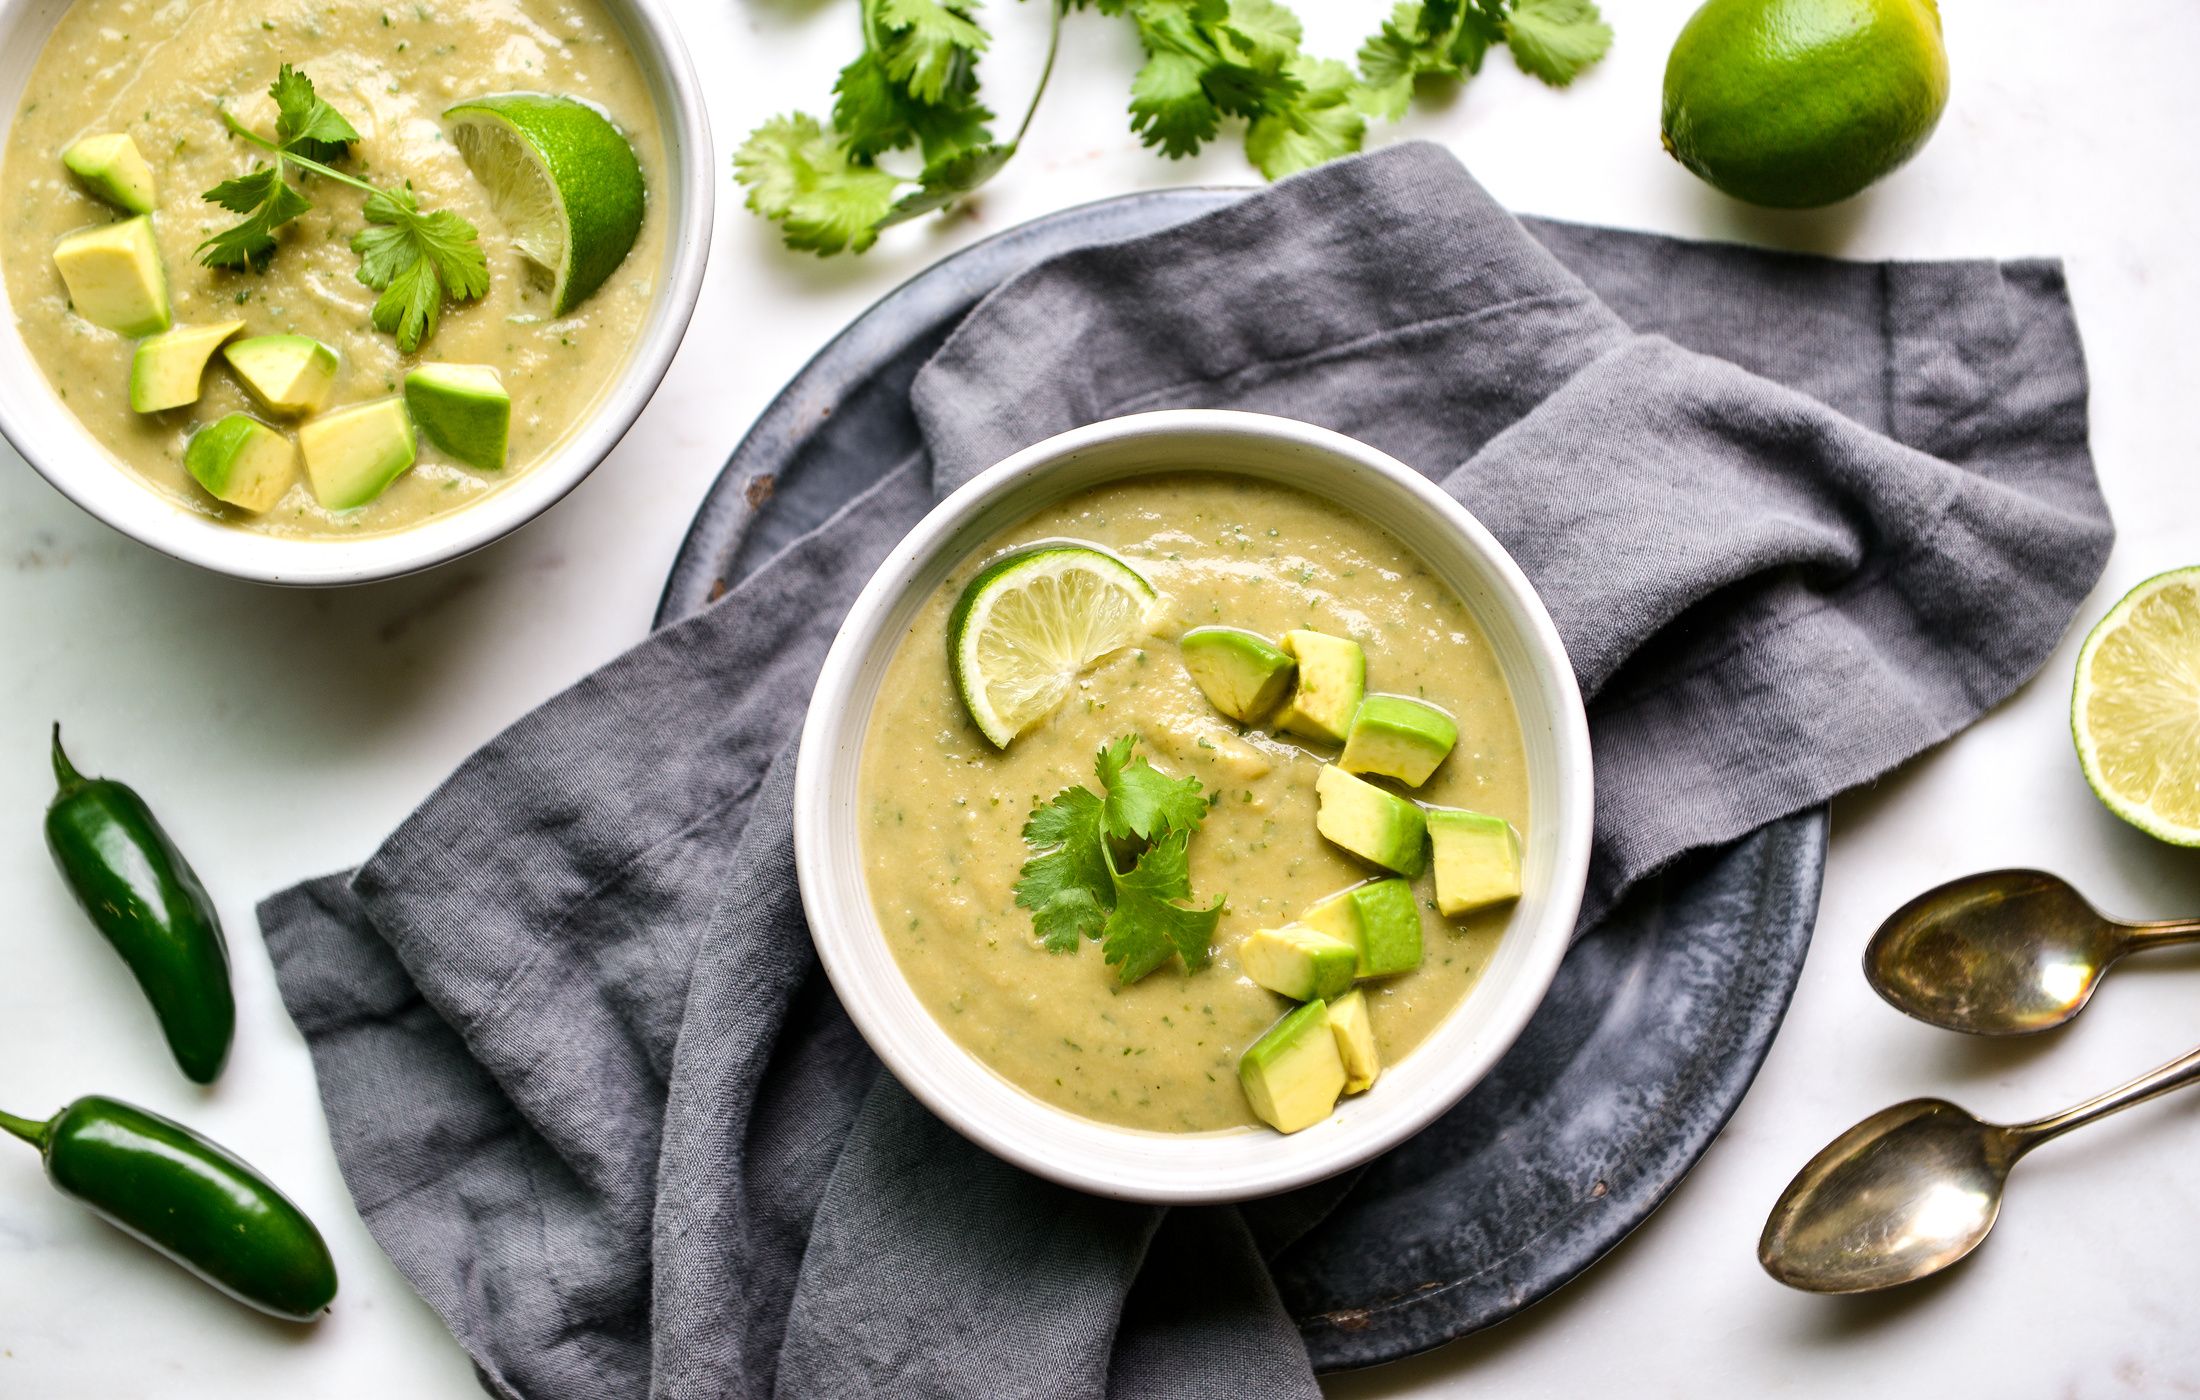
2008 952
1913 1188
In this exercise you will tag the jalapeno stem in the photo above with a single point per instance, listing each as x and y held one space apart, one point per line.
29 1130
64 772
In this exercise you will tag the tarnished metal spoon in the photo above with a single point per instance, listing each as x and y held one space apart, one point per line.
1913 1188
2008 952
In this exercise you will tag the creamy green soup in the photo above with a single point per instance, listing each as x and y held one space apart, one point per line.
156 69
943 810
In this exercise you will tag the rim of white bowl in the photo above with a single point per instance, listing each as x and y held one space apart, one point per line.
1188 1168
48 436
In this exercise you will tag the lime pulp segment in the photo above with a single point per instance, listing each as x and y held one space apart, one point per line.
2135 708
1029 623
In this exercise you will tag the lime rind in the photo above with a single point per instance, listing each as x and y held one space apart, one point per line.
562 178
2135 707
1031 622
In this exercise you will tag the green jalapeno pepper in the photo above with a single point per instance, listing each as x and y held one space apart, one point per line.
142 894
192 1200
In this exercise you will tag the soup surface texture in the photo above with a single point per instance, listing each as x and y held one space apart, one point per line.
943 810
158 70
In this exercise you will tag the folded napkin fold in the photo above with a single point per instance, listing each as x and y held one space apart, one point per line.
1796 520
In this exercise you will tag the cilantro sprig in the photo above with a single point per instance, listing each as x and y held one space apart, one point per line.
1207 63
1554 40
417 259
914 85
1115 867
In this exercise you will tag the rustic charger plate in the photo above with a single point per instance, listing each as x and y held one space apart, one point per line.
1648 1040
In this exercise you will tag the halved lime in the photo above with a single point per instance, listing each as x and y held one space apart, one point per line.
1030 622
2135 711
562 179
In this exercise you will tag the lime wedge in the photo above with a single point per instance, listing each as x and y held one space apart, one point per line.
1030 622
2135 711
563 180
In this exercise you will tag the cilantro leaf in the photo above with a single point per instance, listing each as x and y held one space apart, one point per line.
800 178
927 42
872 114
1169 108
1394 56
268 202
1142 801
1424 38
303 122
1206 60
1260 32
1148 927
1069 916
415 260
1068 836
1556 39
1318 125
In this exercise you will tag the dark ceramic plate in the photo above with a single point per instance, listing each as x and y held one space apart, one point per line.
1649 1038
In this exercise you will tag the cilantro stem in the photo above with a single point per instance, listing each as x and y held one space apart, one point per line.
293 157
1046 72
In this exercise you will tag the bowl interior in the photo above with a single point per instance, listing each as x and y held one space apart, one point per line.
1237 1164
40 427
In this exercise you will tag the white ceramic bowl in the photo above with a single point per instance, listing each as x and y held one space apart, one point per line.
1225 1166
40 426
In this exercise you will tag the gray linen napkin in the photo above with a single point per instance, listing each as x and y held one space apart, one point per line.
1796 520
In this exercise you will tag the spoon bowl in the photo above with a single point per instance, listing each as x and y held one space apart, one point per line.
2007 952
1905 1193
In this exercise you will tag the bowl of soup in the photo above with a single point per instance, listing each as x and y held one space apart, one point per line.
1193 806
318 294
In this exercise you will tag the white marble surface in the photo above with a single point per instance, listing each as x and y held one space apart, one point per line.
282 733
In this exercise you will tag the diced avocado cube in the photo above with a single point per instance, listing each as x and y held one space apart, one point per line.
1293 1074
1372 824
464 410
115 277
1299 963
241 460
1390 928
353 454
1477 860
1380 919
1355 1041
111 168
288 373
165 369
1332 677
1398 738
1335 916
1242 674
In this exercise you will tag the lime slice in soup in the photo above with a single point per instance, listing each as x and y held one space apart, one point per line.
2135 711
1030 622
563 180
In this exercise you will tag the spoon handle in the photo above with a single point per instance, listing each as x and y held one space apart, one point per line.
2178 1073
2161 933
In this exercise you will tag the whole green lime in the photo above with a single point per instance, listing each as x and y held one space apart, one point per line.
1799 103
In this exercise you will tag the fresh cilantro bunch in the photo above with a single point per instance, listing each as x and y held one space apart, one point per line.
1207 62
415 258
1115 866
914 85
